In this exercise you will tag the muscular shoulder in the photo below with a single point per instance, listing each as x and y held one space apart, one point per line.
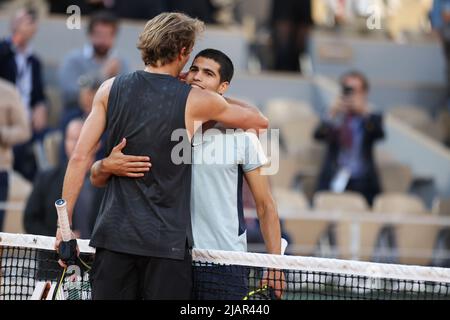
201 103
102 94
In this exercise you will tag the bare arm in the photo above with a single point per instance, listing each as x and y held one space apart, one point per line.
119 164
80 160
99 177
266 210
203 105
270 225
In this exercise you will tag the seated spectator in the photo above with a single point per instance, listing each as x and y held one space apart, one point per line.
350 133
96 59
14 128
347 12
40 214
88 88
20 66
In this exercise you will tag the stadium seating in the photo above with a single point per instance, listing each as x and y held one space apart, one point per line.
415 242
19 190
305 234
289 202
419 119
441 207
289 168
280 111
344 203
394 176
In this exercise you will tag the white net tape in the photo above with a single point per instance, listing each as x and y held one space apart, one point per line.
306 264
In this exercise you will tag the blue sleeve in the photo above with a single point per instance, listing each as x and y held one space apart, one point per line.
436 14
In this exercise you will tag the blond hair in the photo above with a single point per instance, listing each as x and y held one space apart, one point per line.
165 35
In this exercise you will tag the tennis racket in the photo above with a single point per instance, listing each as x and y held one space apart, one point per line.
265 292
68 247
73 281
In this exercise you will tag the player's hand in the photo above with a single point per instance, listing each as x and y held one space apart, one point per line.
359 106
275 279
338 107
58 243
123 165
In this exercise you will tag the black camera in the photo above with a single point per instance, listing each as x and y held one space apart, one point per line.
347 90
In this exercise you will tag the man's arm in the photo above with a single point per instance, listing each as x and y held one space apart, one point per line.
86 146
325 132
374 127
270 224
118 164
266 210
204 105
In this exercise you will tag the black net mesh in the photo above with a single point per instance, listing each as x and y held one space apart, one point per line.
23 267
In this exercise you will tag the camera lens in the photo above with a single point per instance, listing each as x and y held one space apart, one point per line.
347 90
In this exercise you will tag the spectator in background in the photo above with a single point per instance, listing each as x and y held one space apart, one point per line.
88 87
14 128
348 12
97 58
291 21
40 216
21 67
350 133
440 20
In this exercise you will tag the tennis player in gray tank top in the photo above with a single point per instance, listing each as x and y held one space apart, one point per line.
221 160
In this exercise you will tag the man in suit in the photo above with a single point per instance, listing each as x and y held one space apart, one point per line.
350 133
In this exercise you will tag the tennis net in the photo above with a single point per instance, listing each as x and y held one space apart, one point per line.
27 260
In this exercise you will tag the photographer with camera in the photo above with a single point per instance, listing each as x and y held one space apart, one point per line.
350 131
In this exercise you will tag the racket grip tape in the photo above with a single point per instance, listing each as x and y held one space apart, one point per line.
63 219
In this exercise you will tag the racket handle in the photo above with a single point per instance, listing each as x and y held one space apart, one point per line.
63 219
